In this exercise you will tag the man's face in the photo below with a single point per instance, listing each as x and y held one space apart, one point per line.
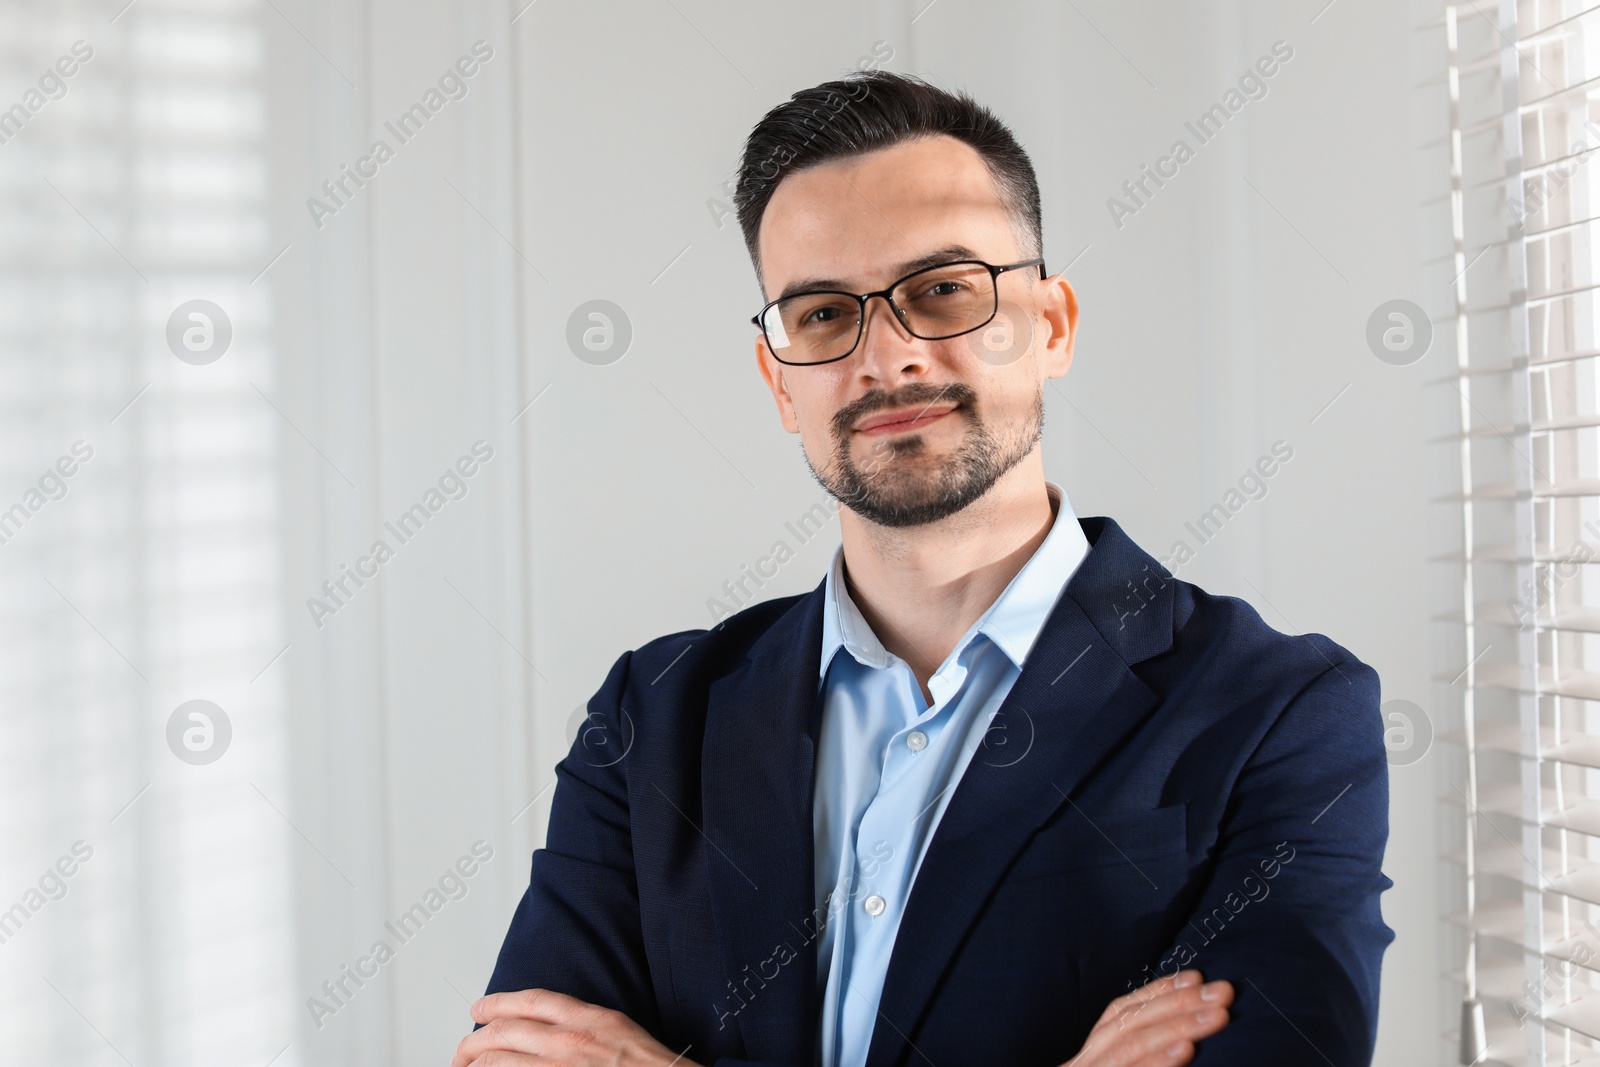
978 398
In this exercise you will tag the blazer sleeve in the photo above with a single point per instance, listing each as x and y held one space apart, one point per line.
1291 914
577 929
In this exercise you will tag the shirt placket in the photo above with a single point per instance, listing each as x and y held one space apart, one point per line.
876 904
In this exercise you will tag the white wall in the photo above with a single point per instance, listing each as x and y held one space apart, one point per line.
1217 320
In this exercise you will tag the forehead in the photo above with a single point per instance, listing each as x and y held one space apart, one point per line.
851 223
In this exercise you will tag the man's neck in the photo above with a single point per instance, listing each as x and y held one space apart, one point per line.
921 588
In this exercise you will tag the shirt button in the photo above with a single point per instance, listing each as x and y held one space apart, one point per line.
873 904
916 740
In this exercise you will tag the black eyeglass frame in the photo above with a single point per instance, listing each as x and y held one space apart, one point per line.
899 313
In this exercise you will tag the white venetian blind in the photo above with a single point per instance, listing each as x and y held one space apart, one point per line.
1518 694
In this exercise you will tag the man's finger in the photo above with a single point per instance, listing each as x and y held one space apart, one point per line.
1172 1040
1167 1041
1144 993
505 1034
1141 999
545 1005
1175 1001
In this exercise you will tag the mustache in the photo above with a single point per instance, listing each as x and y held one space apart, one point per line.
925 393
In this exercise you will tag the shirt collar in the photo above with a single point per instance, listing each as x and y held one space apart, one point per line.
1012 622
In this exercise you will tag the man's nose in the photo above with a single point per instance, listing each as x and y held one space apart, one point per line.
884 339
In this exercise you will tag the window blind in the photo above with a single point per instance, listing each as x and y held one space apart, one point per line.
1519 646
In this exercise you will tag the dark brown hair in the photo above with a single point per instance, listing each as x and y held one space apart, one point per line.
876 109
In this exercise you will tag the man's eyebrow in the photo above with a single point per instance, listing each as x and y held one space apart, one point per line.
930 259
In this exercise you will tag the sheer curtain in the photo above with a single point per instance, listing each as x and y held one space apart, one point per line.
209 404
147 577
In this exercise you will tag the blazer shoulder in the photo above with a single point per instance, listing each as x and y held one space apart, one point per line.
1231 628
708 653
1284 696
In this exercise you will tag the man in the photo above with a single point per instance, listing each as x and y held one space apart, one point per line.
1000 788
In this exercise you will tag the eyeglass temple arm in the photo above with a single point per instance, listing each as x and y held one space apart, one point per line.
1040 262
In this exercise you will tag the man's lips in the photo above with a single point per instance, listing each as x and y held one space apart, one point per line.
903 419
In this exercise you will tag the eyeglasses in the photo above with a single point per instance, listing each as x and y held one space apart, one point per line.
934 303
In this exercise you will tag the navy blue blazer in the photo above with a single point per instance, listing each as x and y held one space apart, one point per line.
1170 783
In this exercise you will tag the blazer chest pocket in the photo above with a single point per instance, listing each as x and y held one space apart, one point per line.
1080 840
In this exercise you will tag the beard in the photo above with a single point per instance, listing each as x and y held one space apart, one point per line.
897 487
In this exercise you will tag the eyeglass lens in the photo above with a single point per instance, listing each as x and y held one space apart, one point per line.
937 303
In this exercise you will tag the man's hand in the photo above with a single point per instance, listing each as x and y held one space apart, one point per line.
1157 1025
549 1029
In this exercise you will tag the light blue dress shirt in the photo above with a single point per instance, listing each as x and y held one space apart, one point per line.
887 764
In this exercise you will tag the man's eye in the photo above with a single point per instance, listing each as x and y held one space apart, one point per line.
826 315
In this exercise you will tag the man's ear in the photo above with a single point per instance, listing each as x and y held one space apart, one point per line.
1059 306
772 371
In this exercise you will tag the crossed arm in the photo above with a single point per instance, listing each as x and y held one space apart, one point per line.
1299 947
1156 1026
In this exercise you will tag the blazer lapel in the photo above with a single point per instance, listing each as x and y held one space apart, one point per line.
1074 700
756 792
